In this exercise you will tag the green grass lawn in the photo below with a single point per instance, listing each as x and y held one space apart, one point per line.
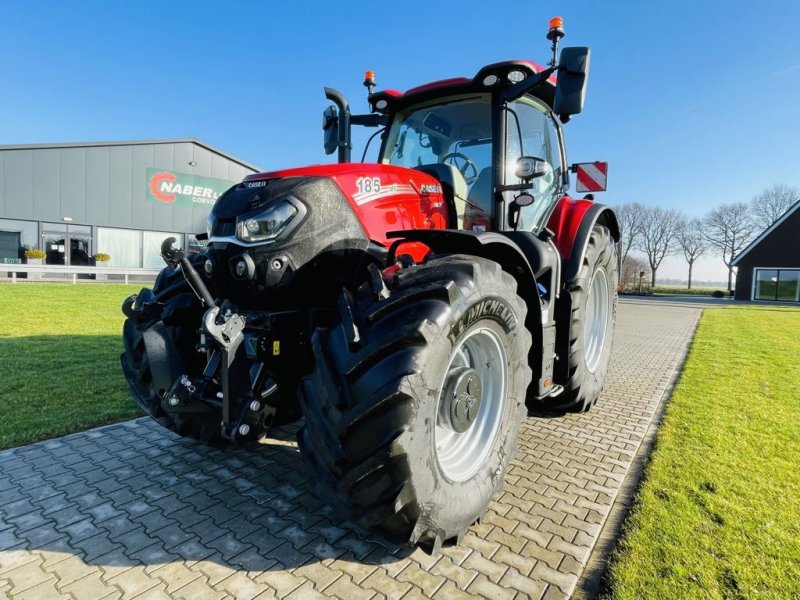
718 512
59 359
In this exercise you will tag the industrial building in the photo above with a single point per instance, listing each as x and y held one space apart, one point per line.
118 198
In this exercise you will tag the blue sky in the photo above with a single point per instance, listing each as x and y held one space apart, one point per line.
692 103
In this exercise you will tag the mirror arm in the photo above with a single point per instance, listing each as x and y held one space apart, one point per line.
519 89
340 101
517 187
373 120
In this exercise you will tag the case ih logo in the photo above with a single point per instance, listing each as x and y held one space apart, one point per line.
182 189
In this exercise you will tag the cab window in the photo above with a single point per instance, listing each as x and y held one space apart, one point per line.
530 131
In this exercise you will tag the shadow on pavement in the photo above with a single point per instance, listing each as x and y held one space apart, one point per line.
135 494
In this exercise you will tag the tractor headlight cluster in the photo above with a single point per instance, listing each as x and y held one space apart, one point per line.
268 225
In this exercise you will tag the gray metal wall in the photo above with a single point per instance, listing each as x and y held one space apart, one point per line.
106 185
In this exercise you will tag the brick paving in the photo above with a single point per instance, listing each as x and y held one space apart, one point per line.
133 511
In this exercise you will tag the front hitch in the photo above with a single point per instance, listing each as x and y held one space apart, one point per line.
227 330
229 335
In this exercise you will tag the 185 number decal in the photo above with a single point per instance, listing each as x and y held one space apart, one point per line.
368 185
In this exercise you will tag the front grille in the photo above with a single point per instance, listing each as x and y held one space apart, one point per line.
224 228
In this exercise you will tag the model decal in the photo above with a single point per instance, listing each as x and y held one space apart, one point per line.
367 185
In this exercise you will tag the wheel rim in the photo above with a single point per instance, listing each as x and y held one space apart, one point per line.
595 327
461 455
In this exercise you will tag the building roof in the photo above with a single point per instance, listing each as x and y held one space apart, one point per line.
130 143
789 212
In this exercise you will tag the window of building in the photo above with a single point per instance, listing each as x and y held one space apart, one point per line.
777 284
124 246
15 238
152 247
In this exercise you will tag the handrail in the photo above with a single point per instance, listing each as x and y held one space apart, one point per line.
75 270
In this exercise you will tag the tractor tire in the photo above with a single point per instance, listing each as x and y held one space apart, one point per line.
181 318
180 325
413 408
592 313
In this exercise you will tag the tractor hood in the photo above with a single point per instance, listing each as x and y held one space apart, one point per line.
383 197
292 226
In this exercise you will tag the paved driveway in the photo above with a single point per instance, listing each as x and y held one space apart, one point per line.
133 511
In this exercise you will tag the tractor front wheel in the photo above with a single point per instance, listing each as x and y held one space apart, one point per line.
591 306
413 408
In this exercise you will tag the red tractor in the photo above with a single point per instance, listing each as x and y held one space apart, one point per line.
410 312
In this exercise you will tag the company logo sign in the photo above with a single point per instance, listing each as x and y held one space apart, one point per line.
183 189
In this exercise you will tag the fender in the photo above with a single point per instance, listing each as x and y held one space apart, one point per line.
527 259
572 221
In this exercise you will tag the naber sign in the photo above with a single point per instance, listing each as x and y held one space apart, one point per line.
183 189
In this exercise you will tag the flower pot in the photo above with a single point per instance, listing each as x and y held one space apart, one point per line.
34 274
101 276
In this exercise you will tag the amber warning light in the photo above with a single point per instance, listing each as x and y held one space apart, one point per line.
369 81
555 33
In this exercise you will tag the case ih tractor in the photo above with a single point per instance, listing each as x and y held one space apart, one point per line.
409 312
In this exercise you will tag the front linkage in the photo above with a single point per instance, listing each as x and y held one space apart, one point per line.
234 383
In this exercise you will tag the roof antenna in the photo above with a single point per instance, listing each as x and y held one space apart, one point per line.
554 35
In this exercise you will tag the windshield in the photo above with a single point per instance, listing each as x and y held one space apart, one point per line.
456 133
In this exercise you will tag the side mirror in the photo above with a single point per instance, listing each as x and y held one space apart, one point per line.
573 71
330 128
530 167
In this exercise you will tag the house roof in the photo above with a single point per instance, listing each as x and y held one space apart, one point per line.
130 143
789 212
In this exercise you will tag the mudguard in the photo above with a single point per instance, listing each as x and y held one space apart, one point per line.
572 222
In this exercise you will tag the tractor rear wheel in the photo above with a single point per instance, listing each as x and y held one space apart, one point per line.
413 409
592 313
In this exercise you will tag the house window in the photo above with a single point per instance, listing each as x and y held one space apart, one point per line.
777 284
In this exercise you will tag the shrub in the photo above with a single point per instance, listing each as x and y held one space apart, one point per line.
718 294
34 253
101 257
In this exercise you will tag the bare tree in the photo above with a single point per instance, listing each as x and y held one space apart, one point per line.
629 217
692 242
769 205
657 236
633 269
728 229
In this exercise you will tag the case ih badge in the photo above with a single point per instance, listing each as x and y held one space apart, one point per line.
406 313
591 176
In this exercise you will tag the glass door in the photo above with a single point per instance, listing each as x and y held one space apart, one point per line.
67 245
79 253
80 245
55 247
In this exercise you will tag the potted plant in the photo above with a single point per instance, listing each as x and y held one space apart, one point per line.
101 260
34 257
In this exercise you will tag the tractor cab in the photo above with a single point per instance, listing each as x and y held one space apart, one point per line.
453 139
494 141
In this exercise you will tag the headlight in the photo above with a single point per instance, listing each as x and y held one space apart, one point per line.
267 225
